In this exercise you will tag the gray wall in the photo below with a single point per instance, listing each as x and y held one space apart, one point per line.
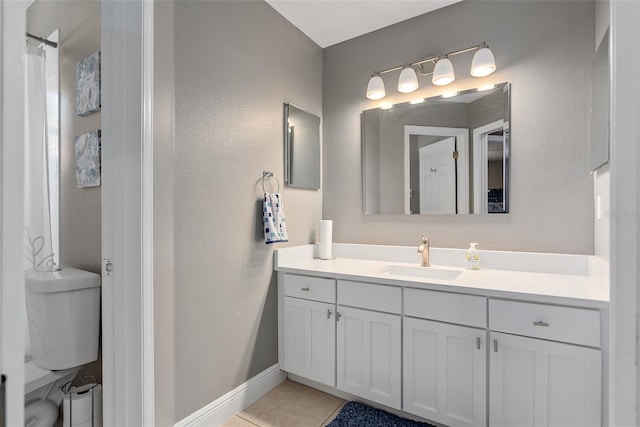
545 50
235 64
80 208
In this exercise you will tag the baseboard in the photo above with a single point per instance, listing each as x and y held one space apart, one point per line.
224 408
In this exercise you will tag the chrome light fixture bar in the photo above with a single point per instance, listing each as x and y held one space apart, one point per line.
438 66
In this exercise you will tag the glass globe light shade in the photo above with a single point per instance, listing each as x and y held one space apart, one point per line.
443 72
375 88
483 63
408 80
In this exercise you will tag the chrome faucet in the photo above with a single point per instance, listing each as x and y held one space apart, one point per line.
424 249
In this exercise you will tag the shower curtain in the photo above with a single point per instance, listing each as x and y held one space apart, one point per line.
38 253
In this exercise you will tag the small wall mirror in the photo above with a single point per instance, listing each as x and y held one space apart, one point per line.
438 156
301 148
600 105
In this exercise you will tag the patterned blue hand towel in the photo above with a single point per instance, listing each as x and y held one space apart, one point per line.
275 227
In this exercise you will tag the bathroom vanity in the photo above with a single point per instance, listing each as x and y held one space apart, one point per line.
520 342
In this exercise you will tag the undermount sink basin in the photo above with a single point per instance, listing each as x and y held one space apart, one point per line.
420 272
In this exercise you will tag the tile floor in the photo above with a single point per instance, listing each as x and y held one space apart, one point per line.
289 405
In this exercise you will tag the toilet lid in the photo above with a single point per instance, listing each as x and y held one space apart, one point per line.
40 413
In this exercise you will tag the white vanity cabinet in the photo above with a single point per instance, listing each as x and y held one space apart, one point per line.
445 364
455 358
309 328
538 382
369 341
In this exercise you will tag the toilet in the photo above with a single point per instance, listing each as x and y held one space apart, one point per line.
63 315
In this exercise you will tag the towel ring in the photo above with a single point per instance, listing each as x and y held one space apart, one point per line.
266 176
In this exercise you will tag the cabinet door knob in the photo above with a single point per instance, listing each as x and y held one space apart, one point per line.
541 323
478 343
495 346
304 289
338 316
328 314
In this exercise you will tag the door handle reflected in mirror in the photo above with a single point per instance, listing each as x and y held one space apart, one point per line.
541 323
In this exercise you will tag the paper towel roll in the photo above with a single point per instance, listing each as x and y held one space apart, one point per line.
326 238
78 409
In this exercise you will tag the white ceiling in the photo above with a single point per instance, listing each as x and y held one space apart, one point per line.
328 22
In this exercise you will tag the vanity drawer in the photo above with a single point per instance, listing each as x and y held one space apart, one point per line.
312 288
446 307
566 324
370 296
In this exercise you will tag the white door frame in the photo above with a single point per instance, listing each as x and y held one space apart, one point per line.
624 377
12 29
462 146
127 33
480 166
127 208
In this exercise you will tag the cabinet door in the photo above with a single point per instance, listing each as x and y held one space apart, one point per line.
445 372
309 339
543 383
368 351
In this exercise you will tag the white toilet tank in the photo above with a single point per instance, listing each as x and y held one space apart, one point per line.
63 310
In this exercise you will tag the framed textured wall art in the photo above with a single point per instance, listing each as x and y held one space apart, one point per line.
87 148
88 85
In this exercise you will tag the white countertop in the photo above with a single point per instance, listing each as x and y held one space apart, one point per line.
585 282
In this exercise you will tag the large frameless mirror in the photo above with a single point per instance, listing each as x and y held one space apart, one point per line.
439 156
302 148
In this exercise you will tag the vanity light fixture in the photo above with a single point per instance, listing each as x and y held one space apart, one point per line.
417 101
439 67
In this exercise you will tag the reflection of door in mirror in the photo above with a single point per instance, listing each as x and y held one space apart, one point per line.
438 177
490 165
436 170
495 172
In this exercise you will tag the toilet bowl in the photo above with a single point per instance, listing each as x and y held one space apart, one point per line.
63 312
43 392
40 413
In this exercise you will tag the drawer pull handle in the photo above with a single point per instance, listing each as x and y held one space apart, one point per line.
304 289
328 314
541 323
495 346
478 343
338 316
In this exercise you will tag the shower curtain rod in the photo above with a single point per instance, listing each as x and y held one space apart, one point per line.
45 41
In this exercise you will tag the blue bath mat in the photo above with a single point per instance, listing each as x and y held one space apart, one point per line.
356 414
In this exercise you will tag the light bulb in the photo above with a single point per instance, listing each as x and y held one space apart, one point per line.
449 93
486 87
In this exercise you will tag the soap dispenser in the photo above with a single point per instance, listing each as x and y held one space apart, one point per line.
472 258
